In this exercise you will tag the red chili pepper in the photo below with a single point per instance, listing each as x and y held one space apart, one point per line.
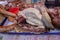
14 10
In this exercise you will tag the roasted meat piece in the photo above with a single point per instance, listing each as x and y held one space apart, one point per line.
31 20
55 17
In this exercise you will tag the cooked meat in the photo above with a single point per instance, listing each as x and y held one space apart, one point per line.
32 21
55 17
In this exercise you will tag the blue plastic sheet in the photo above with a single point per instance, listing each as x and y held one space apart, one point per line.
34 1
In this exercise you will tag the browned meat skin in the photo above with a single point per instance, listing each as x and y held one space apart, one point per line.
31 28
55 17
21 19
56 23
28 27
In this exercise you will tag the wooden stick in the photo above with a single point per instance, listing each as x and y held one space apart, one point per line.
7 13
7 28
